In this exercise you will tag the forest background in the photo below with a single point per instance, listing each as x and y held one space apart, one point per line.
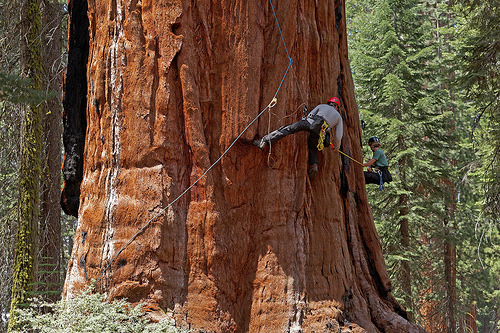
426 75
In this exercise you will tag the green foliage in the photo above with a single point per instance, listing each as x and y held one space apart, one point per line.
88 313
401 55
477 59
17 90
476 63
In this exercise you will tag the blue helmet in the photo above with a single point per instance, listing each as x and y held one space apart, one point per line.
373 139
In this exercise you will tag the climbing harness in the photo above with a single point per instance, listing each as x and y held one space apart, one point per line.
270 105
322 134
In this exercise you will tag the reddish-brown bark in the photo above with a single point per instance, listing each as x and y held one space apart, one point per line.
254 248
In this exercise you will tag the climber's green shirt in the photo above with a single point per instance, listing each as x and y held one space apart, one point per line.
379 156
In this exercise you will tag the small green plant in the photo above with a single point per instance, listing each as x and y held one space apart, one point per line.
87 313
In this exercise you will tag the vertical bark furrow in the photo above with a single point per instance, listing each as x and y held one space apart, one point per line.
75 105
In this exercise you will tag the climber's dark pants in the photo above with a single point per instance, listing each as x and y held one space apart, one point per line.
373 177
313 128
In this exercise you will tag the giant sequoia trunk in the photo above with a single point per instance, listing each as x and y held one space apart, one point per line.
254 246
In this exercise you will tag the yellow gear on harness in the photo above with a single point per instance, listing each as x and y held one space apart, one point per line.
322 135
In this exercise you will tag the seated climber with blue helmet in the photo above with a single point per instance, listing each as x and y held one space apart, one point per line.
377 166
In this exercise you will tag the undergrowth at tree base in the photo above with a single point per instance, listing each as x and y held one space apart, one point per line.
88 312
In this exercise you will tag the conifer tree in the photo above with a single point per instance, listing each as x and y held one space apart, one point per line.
460 277
30 168
478 58
476 61
9 144
9 136
393 57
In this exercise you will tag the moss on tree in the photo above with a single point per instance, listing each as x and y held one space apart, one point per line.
29 173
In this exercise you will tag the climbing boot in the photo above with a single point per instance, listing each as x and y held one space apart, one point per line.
259 143
313 170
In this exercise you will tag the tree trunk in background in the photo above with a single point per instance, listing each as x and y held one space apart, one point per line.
49 262
450 280
250 247
450 263
470 320
404 232
404 229
30 168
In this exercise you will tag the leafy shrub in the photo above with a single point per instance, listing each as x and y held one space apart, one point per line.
87 313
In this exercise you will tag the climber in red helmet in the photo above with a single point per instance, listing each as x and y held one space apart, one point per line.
318 123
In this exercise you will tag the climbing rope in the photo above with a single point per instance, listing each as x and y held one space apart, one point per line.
279 28
340 151
186 190
270 105
299 88
274 100
290 64
381 183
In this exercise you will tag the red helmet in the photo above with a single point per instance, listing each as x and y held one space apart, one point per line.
334 100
